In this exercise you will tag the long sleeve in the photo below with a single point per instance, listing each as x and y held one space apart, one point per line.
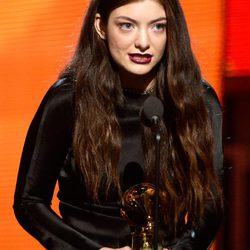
202 237
46 146
211 223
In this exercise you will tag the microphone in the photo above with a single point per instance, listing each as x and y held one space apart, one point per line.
151 111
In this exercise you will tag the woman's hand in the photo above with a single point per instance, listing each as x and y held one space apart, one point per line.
123 248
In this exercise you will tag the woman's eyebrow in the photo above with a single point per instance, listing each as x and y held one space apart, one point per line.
135 21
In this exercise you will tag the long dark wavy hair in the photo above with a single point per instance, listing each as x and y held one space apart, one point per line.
187 175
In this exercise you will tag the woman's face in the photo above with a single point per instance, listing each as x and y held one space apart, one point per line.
136 36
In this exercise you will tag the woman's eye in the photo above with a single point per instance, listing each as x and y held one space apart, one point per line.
159 27
126 26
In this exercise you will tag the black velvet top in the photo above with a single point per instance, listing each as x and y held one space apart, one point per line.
47 157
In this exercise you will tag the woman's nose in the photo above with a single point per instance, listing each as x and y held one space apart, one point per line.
142 40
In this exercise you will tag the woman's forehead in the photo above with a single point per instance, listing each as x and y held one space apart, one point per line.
146 9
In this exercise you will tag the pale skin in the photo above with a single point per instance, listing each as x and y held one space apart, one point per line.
123 248
136 43
130 35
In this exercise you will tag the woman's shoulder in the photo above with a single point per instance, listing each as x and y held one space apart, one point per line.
59 94
61 88
210 97
57 102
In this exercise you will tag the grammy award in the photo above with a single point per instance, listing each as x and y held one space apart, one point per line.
138 210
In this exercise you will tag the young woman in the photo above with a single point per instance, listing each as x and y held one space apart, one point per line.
87 134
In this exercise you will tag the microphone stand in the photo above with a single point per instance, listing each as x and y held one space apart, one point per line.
157 134
152 111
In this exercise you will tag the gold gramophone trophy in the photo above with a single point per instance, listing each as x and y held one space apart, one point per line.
138 210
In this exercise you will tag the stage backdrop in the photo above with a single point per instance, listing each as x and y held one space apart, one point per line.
37 38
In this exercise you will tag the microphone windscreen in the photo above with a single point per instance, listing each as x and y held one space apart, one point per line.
152 107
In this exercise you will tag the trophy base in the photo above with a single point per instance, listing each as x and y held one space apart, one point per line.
146 248
150 248
143 242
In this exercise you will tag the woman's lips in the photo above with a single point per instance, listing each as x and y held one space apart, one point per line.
140 58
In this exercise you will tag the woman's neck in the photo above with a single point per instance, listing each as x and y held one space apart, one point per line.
138 83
